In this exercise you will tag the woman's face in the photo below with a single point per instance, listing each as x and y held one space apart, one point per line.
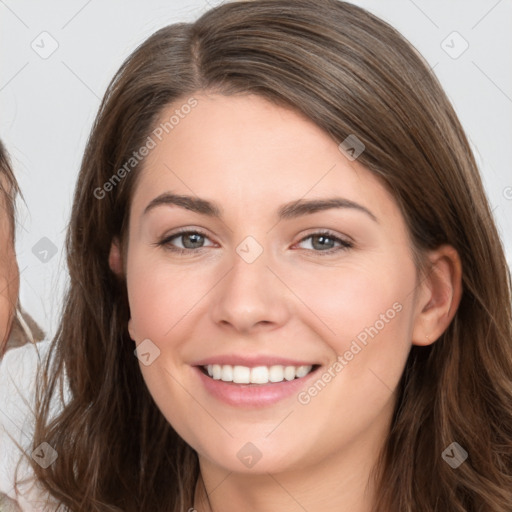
271 282
9 276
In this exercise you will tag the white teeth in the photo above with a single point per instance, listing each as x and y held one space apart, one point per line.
302 371
289 373
227 373
276 374
217 371
257 374
241 374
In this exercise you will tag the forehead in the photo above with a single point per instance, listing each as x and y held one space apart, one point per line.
244 150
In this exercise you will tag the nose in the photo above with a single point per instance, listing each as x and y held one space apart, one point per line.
250 298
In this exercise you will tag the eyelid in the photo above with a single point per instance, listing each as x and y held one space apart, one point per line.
329 233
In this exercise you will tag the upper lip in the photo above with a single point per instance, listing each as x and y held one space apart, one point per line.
251 361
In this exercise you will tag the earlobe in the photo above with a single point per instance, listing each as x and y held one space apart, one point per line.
439 297
115 260
131 331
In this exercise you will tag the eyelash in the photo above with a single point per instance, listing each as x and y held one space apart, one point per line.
166 242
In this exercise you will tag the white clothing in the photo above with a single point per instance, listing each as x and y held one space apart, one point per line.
17 398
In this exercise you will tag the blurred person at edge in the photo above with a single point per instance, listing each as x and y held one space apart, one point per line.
16 326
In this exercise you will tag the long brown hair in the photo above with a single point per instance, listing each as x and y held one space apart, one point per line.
350 73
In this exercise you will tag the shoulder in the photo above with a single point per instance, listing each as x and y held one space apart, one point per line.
18 365
18 374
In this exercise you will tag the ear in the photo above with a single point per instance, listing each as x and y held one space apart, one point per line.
115 262
115 258
131 330
438 296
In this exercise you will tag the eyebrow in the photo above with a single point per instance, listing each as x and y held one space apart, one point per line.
287 211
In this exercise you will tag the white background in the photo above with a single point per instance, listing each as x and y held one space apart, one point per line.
48 105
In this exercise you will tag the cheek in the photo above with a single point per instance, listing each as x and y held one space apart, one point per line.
369 311
366 315
162 294
352 297
372 324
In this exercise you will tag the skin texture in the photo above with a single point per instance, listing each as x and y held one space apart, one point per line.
250 157
9 275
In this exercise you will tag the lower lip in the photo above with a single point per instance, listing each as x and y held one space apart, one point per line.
253 395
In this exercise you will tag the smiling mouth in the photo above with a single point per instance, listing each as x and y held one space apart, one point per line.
274 374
